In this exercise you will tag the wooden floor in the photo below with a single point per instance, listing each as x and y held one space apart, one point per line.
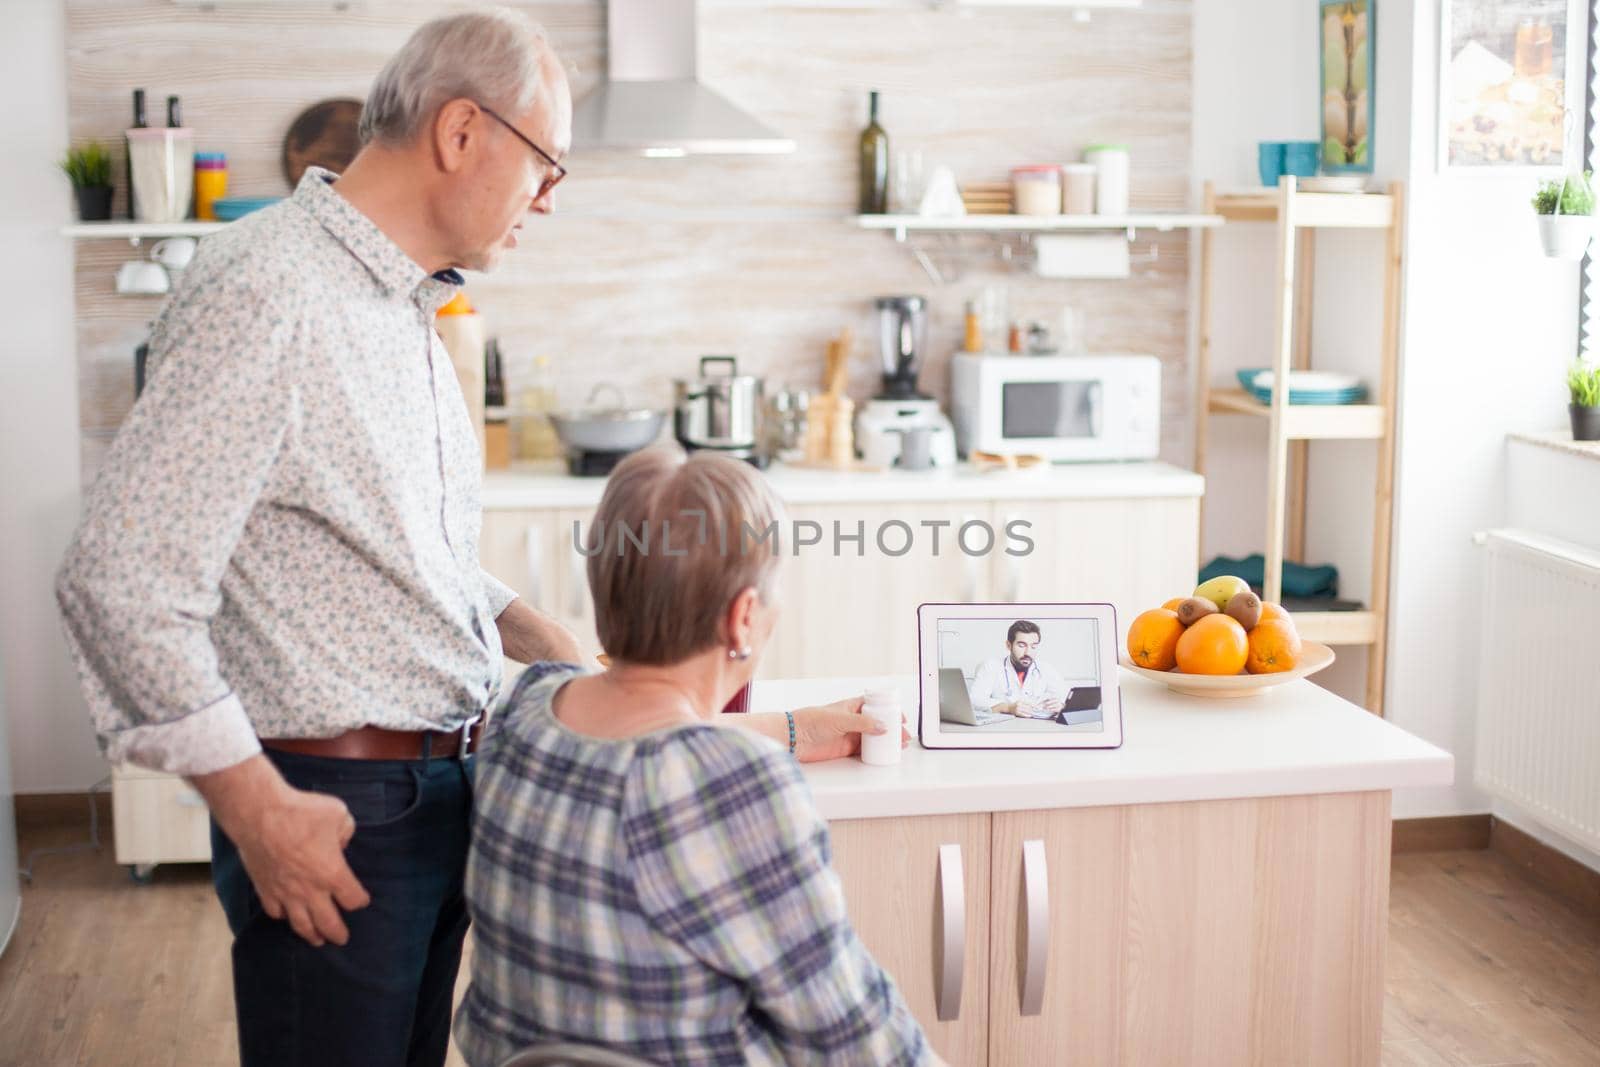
1484 968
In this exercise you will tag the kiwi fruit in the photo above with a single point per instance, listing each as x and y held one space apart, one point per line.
1197 607
1245 607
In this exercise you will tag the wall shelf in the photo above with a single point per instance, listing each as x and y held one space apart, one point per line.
901 225
134 232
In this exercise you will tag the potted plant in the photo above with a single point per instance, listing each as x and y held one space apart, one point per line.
89 169
1583 382
1566 209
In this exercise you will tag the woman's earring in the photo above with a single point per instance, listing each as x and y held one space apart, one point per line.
742 653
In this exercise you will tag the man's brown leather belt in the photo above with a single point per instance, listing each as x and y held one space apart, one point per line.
376 743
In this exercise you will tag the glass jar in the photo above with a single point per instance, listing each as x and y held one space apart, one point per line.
1036 190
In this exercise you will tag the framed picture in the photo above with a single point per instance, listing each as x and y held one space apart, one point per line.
1346 35
1511 92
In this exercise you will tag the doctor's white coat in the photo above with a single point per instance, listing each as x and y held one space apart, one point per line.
996 683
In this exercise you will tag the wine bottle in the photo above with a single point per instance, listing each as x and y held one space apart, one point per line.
874 163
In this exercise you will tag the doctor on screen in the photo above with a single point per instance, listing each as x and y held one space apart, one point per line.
1017 683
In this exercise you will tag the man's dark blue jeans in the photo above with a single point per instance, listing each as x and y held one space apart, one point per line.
383 998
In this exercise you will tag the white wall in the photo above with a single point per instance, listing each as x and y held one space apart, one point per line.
52 748
1488 324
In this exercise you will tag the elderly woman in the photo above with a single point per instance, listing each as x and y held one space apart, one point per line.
640 877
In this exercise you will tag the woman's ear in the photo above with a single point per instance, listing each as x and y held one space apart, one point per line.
740 621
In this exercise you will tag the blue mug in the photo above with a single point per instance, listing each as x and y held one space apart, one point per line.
1270 162
1300 158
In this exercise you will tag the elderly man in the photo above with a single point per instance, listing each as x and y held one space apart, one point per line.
275 591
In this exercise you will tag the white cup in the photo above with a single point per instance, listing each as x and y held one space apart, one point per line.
142 276
175 252
882 705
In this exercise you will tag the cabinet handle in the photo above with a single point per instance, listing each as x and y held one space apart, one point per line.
970 595
577 582
950 955
1035 933
533 550
1013 566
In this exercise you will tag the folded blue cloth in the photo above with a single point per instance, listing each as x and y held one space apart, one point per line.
1299 580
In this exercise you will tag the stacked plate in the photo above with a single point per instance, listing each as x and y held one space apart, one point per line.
1306 387
238 207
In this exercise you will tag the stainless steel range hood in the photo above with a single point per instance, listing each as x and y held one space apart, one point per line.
652 103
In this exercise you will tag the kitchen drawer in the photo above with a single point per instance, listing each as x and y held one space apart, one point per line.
159 819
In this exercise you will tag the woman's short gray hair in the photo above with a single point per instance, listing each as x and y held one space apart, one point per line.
494 57
674 541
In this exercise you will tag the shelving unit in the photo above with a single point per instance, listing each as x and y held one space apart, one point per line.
1289 427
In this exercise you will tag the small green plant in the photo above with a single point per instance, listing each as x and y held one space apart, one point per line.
1583 380
1573 192
88 167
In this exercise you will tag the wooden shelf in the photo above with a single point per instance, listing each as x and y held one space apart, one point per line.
900 225
1338 627
1308 422
1296 217
138 231
1311 210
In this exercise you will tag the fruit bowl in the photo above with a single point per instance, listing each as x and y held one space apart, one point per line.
1313 657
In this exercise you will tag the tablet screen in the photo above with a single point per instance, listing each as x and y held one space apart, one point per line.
1023 675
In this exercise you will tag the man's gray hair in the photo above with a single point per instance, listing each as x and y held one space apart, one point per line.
494 57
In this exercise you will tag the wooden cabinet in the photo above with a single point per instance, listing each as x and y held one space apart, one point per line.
853 611
849 606
1134 554
1244 931
532 551
918 894
159 819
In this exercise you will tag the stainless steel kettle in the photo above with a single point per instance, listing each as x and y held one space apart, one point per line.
719 411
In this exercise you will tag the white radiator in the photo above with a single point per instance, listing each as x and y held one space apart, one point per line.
1538 742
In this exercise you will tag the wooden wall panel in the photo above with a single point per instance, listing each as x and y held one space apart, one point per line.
649 263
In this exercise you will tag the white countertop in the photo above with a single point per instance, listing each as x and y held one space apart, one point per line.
1296 739
548 486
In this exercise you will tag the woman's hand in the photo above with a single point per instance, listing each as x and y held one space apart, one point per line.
834 731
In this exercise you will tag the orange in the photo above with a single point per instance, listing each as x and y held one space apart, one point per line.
1274 647
1215 644
1172 605
1269 610
1153 639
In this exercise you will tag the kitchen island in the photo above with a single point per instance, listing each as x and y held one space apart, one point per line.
1214 892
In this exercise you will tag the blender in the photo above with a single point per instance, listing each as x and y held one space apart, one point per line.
901 427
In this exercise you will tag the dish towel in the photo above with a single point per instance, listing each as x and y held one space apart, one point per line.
1299 580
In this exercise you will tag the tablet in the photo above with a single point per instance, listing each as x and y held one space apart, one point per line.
1018 676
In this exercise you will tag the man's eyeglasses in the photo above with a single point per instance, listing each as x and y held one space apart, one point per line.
558 171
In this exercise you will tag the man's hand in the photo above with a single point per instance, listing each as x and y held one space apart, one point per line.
1009 708
292 844
1052 705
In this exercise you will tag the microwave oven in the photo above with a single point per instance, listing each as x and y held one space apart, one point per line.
1064 408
